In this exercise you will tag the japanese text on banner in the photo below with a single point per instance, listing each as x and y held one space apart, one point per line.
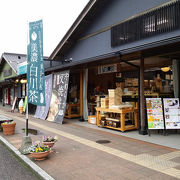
35 70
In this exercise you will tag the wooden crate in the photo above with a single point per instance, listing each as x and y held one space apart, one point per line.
116 124
112 92
109 123
92 119
114 102
103 122
115 97
104 102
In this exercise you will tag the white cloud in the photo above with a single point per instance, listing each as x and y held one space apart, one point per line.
57 15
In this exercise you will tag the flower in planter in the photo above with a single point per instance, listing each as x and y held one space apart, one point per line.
38 147
49 138
10 122
39 151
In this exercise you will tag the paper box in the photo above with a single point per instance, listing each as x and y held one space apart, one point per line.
92 119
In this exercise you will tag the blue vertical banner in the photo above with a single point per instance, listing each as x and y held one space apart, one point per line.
42 111
35 67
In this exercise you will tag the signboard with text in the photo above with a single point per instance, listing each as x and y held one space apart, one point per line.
22 68
172 113
35 68
155 113
59 96
108 68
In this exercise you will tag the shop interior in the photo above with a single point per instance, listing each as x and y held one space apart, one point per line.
73 98
158 79
115 87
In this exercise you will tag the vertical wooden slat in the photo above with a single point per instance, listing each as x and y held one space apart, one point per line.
151 24
155 22
178 13
163 19
175 14
170 16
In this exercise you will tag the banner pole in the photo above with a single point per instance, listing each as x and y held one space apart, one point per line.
26 140
27 110
27 81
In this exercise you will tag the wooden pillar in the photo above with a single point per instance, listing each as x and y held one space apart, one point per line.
3 99
122 122
81 93
142 99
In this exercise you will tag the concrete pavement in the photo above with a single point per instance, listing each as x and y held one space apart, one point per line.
76 155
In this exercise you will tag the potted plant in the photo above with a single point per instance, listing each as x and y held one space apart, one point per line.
49 140
8 127
39 151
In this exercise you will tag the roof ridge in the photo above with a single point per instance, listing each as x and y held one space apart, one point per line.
16 54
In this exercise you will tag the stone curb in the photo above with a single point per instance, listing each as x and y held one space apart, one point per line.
31 164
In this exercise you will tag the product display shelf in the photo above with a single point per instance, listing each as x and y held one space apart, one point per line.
123 111
150 94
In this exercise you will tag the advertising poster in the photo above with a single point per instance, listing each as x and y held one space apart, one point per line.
42 111
59 96
155 113
172 113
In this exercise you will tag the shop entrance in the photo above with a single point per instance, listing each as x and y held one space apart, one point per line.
73 98
159 73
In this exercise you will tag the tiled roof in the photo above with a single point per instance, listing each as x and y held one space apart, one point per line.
15 59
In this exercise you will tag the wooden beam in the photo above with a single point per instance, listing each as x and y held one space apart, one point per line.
142 99
132 56
81 93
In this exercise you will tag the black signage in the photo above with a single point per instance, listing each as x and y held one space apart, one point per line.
59 94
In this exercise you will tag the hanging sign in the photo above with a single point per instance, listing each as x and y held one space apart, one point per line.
155 113
42 111
59 96
22 68
172 113
108 68
35 68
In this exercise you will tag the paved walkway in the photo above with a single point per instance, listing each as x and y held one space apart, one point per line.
171 139
77 155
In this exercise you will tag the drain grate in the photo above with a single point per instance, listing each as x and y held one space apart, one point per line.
104 141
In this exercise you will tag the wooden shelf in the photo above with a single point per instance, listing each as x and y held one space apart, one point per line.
127 127
122 119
